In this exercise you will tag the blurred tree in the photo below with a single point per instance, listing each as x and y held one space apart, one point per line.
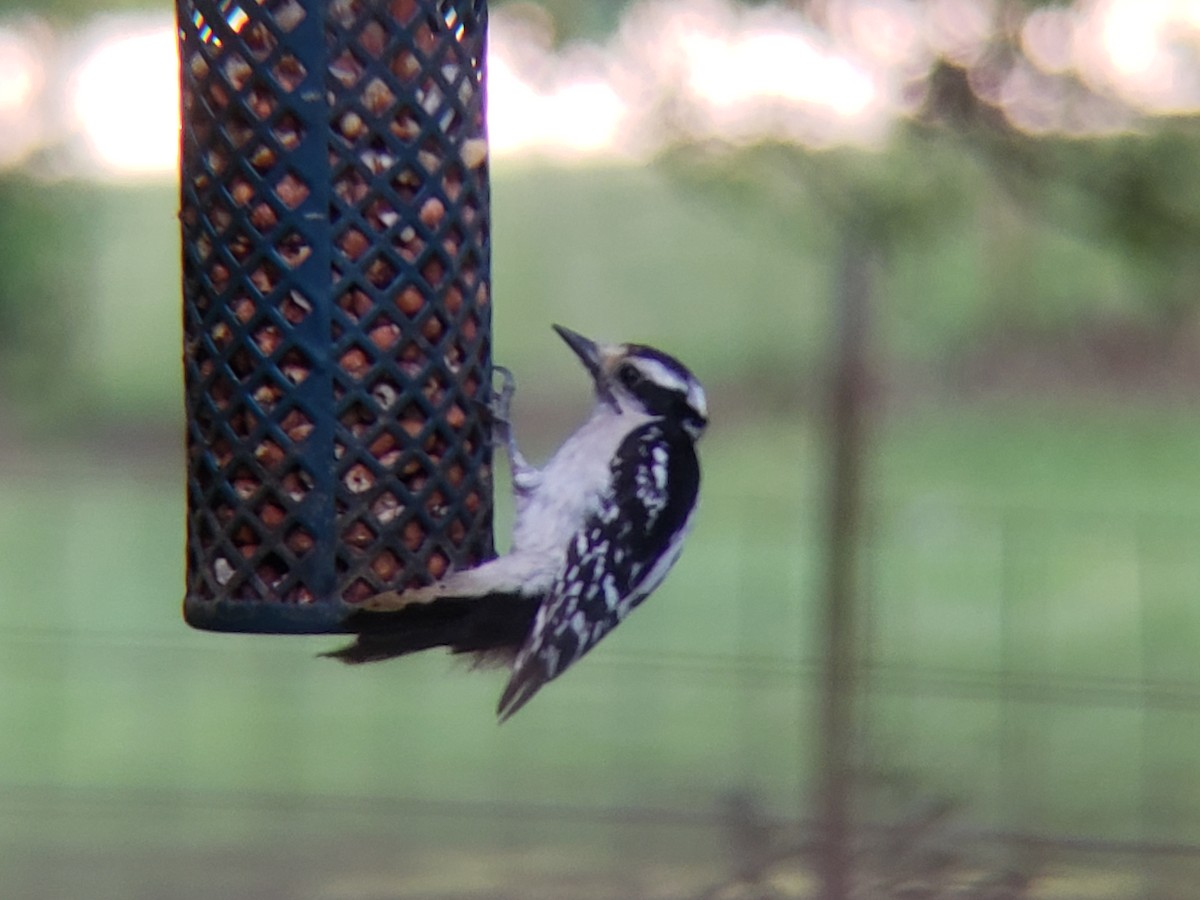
1136 193
960 166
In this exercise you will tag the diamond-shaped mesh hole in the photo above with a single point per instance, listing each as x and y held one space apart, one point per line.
434 270
258 40
217 94
452 244
377 97
384 448
359 479
288 131
380 272
433 212
268 338
350 186
291 190
236 70
355 362
299 541
377 158
410 301
387 567
298 428
263 158
408 245
381 215
239 129
357 418
265 277
358 534
405 183
351 126
286 14
197 66
267 395
346 69
372 38
289 72
221 335
353 244
239 244
221 391
202 247
355 303
295 367
296 484
220 217
386 394
405 66
293 249
263 217
386 507
358 591
385 335
261 100
295 308
241 191
269 454
272 515
217 275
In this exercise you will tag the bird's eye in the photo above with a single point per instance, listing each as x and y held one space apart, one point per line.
629 375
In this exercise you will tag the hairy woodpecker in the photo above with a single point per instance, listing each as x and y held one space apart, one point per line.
595 530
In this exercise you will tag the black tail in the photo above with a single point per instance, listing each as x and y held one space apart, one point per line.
494 624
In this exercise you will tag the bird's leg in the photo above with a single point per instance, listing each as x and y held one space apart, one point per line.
524 476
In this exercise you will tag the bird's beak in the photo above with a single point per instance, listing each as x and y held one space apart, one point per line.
589 354
587 351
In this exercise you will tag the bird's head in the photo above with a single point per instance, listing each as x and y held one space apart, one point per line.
637 378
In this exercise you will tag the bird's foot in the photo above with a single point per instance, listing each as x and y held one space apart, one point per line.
500 408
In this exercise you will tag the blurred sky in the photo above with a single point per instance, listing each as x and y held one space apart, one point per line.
102 96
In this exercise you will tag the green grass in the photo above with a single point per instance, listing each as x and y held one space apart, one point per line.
1050 542
973 568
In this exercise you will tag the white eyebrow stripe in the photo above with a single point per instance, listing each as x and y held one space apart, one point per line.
659 374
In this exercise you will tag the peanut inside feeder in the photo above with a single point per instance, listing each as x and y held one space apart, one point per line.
336 303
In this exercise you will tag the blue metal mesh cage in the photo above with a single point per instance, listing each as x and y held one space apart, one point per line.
336 254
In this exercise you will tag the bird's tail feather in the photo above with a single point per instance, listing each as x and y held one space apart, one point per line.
491 626
524 683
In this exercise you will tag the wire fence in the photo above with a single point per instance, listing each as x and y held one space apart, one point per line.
1027 722
1034 668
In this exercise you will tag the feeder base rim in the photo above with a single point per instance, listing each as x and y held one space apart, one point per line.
264 617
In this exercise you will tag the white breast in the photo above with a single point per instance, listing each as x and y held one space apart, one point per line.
572 482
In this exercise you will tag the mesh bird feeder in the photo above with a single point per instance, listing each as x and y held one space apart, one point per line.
336 276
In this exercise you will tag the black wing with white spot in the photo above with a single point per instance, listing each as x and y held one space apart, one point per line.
620 555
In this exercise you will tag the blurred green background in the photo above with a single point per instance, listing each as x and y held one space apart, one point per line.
1030 705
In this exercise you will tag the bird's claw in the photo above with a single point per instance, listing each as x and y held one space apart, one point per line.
500 408
501 405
